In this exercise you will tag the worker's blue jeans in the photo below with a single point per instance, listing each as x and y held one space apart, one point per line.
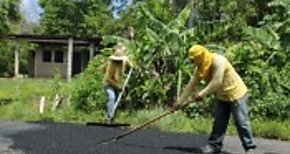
239 112
112 97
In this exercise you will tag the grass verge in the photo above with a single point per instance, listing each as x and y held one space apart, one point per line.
30 90
176 122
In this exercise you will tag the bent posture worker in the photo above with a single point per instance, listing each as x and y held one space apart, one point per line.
231 94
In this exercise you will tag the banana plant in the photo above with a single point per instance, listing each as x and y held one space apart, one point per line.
271 53
159 53
167 51
274 32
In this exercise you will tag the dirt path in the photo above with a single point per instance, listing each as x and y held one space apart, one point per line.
61 138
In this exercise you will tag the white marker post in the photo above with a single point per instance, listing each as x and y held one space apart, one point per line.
42 105
56 102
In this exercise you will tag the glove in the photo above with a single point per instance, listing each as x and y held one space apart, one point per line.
120 86
198 97
176 106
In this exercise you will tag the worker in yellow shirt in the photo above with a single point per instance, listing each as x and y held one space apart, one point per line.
113 80
231 94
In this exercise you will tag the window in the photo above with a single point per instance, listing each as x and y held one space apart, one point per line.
46 56
58 56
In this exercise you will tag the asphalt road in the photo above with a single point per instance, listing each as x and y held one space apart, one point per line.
63 138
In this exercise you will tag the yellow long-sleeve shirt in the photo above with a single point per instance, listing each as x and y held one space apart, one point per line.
114 73
222 80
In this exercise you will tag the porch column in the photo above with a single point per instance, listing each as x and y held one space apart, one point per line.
69 59
16 59
92 46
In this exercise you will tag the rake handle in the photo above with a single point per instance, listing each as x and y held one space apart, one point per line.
144 124
123 89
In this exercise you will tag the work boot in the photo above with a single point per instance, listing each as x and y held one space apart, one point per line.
110 121
209 150
250 151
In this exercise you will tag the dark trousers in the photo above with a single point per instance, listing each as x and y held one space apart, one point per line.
239 112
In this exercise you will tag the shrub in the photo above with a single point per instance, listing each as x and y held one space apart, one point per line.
87 89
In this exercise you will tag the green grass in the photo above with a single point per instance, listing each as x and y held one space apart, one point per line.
272 129
8 89
179 122
30 112
24 89
173 122
26 107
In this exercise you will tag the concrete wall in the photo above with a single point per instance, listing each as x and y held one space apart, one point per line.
48 69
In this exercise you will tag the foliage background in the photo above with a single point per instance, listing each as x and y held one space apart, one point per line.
254 35
253 41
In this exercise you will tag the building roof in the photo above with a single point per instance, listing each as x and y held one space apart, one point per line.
52 39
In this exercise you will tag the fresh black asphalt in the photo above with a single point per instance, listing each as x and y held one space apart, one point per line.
65 138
